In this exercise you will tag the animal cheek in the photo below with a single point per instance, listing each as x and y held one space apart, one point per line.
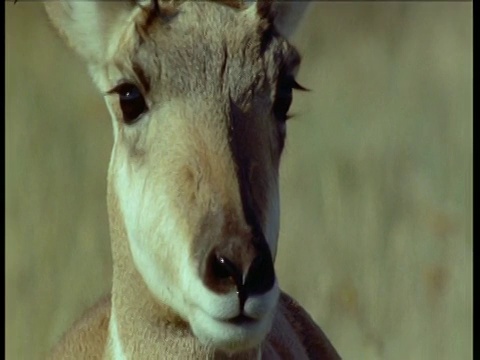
188 180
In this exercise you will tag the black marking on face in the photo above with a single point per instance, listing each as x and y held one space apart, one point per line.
243 162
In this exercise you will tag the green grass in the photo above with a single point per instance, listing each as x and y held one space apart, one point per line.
376 234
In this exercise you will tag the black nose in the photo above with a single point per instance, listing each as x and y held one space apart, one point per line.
261 275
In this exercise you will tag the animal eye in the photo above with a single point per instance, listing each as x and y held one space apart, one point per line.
131 101
283 97
282 103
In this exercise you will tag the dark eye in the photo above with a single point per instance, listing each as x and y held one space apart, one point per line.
282 103
131 100
283 97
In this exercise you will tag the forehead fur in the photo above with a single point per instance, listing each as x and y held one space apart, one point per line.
185 51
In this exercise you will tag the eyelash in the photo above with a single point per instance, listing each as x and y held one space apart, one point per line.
133 104
284 96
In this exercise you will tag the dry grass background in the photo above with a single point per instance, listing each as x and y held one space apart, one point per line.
376 237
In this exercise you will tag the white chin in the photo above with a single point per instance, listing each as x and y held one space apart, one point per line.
239 334
230 336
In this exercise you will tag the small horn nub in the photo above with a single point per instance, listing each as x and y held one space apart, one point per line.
157 9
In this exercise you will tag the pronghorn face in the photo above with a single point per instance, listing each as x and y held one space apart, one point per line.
199 94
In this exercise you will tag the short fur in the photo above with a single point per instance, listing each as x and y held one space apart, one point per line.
193 180
294 335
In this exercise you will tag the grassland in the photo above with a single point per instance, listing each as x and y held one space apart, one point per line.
376 237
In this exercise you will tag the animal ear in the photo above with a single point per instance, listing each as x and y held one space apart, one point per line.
89 25
285 15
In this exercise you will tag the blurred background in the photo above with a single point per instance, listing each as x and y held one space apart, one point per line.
376 182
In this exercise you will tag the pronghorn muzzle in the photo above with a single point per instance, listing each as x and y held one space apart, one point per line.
245 266
241 262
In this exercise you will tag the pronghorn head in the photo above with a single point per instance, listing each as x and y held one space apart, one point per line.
198 93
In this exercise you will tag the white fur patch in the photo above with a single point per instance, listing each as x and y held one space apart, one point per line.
116 349
153 237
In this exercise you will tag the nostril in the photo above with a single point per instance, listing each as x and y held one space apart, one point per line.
223 268
222 273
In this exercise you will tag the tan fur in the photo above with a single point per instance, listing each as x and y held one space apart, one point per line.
294 335
87 337
174 190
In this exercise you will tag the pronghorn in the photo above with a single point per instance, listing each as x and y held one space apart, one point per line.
198 93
